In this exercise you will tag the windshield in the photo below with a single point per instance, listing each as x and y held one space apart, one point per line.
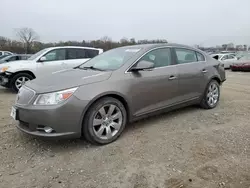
112 59
37 54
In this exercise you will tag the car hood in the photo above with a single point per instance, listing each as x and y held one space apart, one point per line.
20 63
66 79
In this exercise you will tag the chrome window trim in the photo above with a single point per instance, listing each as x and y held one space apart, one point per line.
34 94
127 70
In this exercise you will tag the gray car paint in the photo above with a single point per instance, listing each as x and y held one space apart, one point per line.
142 93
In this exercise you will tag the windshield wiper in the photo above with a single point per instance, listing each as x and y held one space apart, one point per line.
91 67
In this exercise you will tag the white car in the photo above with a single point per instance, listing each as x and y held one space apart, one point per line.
15 74
3 53
226 59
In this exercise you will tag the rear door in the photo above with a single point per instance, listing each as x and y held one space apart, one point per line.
154 89
55 61
191 67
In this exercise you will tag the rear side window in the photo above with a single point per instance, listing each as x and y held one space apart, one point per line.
23 57
200 57
91 53
185 56
55 55
75 53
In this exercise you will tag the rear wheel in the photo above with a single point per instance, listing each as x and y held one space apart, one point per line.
19 80
104 121
211 96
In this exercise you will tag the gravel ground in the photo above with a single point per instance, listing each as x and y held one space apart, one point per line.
188 148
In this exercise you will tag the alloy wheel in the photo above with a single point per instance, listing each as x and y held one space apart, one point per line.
21 81
212 94
107 121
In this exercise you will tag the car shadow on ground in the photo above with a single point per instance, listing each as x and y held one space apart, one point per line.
6 91
60 146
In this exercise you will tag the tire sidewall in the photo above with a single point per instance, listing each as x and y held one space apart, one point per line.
91 114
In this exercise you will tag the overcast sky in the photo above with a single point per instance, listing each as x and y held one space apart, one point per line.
204 22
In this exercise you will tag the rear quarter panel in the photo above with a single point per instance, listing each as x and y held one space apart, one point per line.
215 70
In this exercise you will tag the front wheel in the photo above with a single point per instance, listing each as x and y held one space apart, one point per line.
19 80
104 121
211 96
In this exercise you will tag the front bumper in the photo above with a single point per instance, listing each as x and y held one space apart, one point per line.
64 119
4 79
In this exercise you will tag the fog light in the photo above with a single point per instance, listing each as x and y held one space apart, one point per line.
48 129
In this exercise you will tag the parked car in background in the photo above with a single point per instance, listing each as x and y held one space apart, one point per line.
15 57
226 59
44 63
5 53
242 54
242 64
98 98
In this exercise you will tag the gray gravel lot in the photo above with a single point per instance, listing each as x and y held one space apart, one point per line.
188 148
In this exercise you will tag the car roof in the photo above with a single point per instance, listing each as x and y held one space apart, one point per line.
156 45
83 47
223 54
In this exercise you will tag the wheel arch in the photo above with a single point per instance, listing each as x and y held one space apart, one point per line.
24 71
216 78
115 95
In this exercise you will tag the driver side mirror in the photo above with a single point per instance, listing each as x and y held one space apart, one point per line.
142 65
42 59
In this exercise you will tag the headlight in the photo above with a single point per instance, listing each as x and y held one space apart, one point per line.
55 97
3 69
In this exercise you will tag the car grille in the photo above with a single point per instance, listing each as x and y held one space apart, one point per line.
24 96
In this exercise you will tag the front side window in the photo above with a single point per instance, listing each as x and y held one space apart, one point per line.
185 56
112 59
160 57
56 55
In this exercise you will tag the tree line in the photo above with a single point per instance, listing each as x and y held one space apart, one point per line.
28 42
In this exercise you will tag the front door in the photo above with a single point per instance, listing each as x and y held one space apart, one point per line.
154 89
191 67
55 60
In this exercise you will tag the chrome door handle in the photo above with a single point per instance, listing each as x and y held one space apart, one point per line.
172 77
204 70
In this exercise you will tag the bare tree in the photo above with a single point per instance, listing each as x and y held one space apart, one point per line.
27 36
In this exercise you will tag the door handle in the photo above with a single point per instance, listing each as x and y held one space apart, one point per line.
204 70
172 77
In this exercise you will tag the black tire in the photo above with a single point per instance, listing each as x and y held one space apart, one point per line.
13 80
204 102
87 127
